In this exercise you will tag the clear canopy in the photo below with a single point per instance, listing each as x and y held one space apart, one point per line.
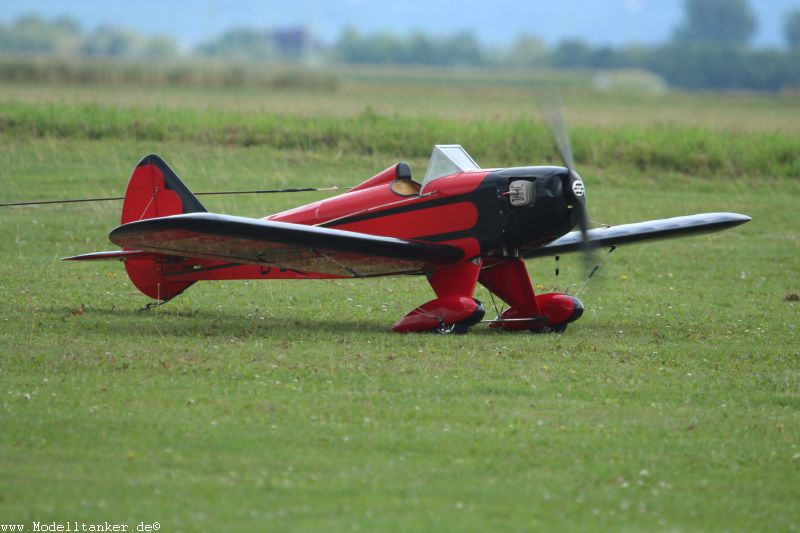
448 159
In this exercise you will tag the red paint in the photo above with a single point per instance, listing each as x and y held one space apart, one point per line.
471 246
458 279
454 286
361 202
456 184
148 276
381 178
436 313
510 281
163 277
557 307
376 199
146 196
420 222
305 214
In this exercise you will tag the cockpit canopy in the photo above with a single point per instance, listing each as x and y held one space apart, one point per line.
448 159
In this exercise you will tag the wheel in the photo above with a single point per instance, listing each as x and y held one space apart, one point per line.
558 328
459 328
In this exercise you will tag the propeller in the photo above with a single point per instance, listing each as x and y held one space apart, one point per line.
554 115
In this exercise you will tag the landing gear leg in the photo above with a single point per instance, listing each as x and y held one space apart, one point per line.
454 310
543 313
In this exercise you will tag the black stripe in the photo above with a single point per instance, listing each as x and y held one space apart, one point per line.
468 197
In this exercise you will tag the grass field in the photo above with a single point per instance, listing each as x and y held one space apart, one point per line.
673 404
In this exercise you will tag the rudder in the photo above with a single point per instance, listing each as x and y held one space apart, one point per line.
154 190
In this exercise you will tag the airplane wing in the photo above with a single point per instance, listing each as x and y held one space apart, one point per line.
296 247
640 231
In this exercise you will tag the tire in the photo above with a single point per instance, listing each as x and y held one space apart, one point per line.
459 328
558 328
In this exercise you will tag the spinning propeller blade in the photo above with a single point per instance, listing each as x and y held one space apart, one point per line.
554 115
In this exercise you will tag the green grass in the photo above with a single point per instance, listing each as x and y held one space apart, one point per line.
672 404
416 92
136 73
657 148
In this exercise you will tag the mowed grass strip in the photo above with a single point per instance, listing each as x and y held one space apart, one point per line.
672 404
689 150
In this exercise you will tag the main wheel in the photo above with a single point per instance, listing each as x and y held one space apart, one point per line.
558 328
459 328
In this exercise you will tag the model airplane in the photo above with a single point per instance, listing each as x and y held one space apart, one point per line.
460 226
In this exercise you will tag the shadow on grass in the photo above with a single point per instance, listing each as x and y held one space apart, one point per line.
223 322
208 323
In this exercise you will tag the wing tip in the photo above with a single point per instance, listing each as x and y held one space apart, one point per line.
731 220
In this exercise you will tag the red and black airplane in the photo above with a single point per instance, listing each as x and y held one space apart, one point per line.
461 226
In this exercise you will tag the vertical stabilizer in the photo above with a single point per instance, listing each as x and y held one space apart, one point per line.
155 191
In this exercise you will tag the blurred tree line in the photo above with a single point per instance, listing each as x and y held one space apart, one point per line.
709 49
63 36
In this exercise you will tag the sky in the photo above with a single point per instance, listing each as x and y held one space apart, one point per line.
494 22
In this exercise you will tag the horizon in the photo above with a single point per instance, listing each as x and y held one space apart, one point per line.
643 22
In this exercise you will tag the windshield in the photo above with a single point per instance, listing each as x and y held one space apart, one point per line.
448 159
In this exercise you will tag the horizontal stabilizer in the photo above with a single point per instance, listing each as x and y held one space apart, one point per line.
640 231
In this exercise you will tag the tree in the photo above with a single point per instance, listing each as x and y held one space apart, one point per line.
67 35
240 43
159 47
33 34
572 53
792 29
461 49
527 51
716 22
67 26
109 41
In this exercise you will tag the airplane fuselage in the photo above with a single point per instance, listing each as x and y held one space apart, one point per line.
471 210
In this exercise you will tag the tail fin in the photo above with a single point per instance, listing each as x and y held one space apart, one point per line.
155 191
